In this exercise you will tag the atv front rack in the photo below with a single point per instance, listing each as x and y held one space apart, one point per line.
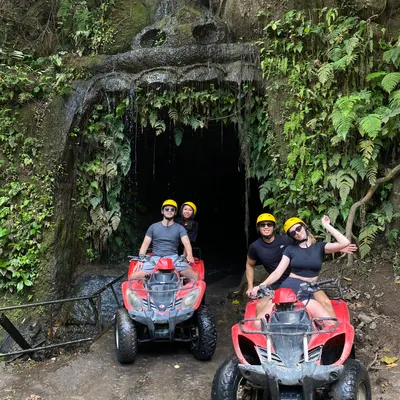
254 326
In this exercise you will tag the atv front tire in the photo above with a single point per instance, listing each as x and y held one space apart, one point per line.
205 340
229 384
126 341
354 383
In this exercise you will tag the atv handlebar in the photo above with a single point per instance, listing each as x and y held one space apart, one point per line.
262 292
147 258
314 286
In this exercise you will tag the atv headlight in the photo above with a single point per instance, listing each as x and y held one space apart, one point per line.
190 299
134 300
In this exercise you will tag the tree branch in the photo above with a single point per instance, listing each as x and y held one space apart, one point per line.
350 220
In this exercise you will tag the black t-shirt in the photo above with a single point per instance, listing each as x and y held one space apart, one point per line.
306 262
192 228
270 254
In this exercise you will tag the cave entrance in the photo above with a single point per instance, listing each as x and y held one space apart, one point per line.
205 169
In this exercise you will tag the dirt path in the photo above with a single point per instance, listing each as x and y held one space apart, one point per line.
161 371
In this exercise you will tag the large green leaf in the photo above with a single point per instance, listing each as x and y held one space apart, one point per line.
371 125
390 81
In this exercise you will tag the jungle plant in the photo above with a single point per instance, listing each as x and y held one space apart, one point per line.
26 189
338 124
24 215
100 177
85 23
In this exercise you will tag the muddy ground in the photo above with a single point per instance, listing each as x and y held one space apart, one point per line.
168 372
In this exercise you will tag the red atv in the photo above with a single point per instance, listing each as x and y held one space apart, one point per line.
291 355
164 307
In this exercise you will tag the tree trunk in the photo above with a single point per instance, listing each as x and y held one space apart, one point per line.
350 220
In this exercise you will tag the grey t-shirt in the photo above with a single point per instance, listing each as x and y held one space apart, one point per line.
165 239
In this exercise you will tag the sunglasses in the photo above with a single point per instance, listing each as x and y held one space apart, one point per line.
264 224
295 231
167 209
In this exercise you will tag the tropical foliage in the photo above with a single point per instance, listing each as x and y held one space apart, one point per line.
26 193
85 25
316 153
340 121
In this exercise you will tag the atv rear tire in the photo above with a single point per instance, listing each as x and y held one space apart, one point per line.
354 383
126 341
229 384
205 341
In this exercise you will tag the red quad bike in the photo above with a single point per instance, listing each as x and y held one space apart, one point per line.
291 355
164 307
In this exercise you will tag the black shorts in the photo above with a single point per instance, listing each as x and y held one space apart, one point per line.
294 284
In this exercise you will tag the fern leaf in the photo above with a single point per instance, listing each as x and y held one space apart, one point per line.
341 64
111 170
325 73
124 158
335 160
358 165
333 213
395 99
390 81
392 55
376 75
351 44
160 127
345 208
367 148
372 172
173 114
95 201
115 221
371 125
344 183
316 176
366 238
178 135
387 211
265 188
343 124
153 119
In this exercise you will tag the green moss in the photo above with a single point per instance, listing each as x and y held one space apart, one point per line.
185 29
128 18
187 14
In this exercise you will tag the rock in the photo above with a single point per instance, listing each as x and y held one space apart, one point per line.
364 318
360 336
373 325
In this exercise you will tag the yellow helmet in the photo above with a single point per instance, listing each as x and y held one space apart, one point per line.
170 202
265 217
190 204
292 221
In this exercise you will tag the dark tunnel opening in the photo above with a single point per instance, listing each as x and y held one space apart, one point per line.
205 169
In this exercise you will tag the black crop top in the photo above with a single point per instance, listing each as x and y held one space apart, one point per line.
306 262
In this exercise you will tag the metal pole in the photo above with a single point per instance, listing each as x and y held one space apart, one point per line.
14 333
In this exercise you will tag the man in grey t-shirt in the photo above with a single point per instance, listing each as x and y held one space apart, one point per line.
165 237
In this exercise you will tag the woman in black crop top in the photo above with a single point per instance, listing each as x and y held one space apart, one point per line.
305 259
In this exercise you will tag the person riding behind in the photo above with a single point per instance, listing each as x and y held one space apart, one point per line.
267 250
165 237
187 213
305 259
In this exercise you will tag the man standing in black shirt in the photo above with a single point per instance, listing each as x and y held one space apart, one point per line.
266 250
